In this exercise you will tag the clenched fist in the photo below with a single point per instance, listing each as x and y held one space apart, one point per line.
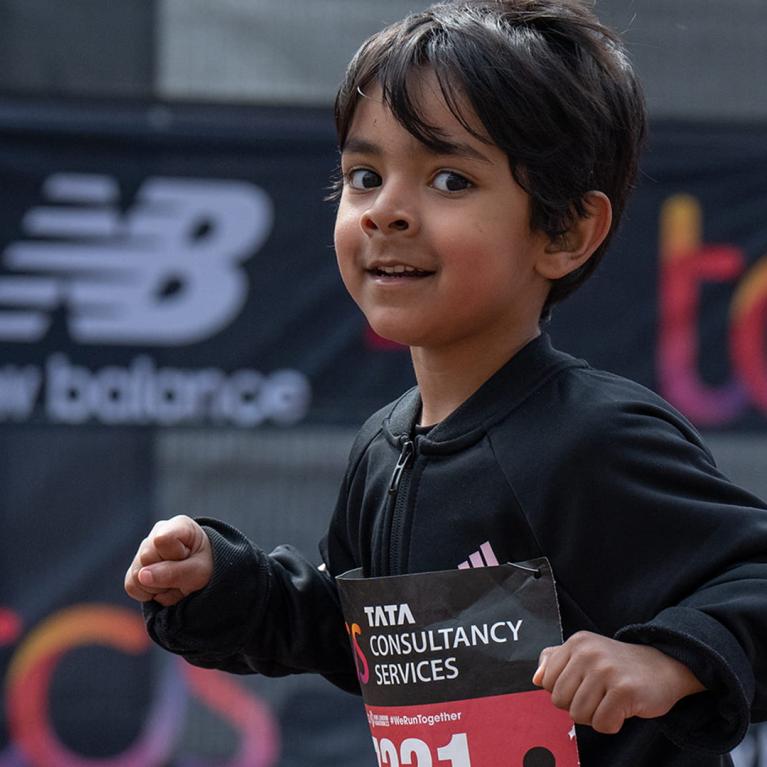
173 561
602 682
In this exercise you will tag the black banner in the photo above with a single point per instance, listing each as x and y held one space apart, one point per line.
179 281
680 302
190 280
171 313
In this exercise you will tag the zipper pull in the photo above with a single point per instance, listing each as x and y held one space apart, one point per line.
404 458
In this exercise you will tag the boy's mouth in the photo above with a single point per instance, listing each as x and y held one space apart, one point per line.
398 271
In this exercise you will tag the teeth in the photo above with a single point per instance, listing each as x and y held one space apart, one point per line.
398 269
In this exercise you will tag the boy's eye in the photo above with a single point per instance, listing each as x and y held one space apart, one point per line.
363 178
450 181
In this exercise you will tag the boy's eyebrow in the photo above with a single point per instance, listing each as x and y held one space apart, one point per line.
452 149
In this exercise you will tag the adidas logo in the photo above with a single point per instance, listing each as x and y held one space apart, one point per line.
485 557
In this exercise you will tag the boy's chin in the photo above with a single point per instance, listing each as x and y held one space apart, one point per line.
398 334
375 340
395 330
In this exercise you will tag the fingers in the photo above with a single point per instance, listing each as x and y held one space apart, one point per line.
133 587
610 714
602 682
172 561
551 663
186 576
574 690
566 686
167 545
574 675
178 537
173 539
585 701
538 675
140 585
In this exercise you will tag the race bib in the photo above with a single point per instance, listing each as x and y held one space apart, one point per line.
445 662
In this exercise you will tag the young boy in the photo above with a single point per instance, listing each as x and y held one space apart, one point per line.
487 151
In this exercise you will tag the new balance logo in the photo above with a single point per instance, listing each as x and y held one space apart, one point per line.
485 557
167 272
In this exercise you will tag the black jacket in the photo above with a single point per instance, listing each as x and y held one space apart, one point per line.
649 543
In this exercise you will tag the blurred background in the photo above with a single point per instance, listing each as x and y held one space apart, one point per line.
174 337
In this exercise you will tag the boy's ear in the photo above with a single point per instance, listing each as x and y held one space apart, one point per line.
569 251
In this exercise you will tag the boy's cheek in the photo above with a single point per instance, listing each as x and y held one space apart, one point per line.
351 277
346 265
346 246
347 218
341 235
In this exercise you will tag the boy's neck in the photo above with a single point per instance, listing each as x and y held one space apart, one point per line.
448 377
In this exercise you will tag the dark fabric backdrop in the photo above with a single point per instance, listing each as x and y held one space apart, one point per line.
121 230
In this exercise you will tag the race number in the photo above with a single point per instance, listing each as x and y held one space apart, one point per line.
415 752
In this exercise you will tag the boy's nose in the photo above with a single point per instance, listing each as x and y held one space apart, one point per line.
391 221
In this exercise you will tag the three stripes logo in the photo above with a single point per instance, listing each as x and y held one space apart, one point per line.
483 557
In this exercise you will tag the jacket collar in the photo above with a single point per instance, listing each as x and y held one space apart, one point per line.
528 369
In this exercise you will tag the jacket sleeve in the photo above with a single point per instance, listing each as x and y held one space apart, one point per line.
273 614
682 555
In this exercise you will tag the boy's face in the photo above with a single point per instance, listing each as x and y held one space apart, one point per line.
436 249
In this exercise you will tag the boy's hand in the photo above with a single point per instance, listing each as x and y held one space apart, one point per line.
602 682
174 560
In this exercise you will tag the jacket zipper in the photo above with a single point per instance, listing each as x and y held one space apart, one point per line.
398 498
406 453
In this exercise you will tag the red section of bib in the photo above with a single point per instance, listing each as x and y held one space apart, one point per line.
517 730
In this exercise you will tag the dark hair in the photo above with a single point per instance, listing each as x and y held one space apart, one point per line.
552 87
